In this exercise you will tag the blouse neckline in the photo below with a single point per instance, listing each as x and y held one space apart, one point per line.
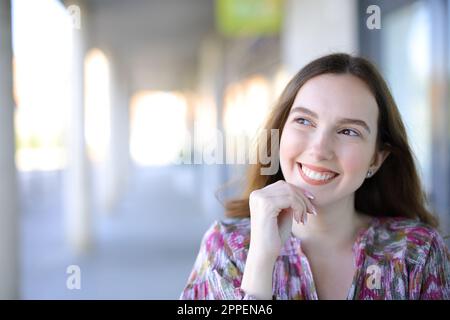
293 247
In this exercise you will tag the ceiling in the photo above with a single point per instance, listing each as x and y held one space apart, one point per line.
156 41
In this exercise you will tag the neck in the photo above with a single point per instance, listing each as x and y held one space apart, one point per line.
335 225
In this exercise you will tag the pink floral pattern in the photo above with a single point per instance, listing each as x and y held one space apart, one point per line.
396 258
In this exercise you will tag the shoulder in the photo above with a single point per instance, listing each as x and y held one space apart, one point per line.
412 239
231 235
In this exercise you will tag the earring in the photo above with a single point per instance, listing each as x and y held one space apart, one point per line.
369 174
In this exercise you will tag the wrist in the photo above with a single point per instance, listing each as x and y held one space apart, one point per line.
257 277
261 255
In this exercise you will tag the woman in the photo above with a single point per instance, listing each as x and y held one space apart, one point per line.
344 216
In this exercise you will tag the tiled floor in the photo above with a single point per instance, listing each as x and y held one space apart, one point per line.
144 250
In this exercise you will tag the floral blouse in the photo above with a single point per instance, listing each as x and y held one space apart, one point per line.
395 258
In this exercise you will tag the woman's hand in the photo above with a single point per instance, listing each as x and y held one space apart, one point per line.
271 211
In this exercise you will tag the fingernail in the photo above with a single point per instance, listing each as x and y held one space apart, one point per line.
314 211
308 195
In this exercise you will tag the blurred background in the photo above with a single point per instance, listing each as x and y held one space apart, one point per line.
100 99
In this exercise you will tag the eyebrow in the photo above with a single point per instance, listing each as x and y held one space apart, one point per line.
341 121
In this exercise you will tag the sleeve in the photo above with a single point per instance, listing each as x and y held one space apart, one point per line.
436 272
214 275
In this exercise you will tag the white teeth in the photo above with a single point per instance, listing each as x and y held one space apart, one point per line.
317 176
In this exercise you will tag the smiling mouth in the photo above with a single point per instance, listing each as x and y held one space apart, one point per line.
315 177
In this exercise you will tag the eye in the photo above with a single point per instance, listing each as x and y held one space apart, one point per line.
302 121
351 132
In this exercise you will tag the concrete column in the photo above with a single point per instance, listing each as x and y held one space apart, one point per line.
78 215
9 213
116 166
211 84
440 114
315 28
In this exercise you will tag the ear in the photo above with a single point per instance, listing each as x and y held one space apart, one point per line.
378 159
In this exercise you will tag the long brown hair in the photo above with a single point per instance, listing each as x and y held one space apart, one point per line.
395 190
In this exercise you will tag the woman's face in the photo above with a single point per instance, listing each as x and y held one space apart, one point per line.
328 142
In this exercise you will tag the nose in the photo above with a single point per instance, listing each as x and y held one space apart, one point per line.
321 146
